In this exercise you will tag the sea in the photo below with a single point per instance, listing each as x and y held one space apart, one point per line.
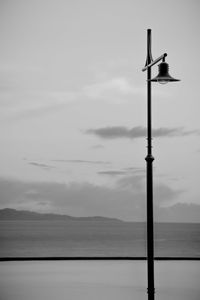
96 239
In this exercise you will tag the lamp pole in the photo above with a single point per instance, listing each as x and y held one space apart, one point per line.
149 179
162 77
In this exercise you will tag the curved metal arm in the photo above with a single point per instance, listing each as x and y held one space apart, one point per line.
154 61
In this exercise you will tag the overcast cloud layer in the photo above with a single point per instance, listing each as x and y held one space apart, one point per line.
126 201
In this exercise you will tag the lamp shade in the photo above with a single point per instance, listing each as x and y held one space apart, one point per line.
163 74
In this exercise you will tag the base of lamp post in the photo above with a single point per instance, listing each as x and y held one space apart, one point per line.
150 225
151 294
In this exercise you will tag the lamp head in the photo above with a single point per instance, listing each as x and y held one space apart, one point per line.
163 74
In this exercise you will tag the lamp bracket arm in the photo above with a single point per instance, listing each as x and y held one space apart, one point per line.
155 61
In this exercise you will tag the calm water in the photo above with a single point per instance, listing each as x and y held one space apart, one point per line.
97 280
61 238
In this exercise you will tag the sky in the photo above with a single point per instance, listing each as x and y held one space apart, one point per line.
73 107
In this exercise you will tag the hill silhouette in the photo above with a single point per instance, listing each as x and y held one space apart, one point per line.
10 214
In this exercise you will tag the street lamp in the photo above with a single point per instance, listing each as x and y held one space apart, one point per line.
162 77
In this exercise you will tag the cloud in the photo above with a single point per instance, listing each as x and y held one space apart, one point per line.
37 111
174 132
138 172
34 103
163 194
179 212
111 173
134 170
80 161
73 199
112 89
41 165
134 182
116 132
126 201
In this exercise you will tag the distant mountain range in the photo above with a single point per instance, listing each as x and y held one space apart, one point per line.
10 214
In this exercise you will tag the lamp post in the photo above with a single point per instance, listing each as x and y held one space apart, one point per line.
162 77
